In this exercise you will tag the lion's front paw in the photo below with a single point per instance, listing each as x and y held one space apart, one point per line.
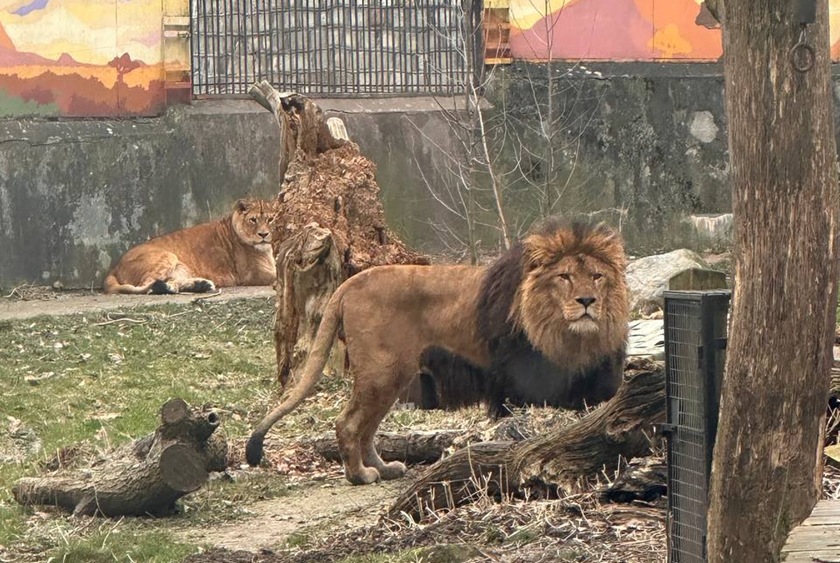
365 476
392 470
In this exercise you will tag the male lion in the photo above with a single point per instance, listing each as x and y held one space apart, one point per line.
233 250
561 292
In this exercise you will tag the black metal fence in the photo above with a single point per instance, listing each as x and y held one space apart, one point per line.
695 337
334 47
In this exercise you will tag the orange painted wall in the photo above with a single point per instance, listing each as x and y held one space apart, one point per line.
622 30
82 58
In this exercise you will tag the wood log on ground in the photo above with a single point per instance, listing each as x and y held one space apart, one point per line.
643 479
412 447
331 223
559 460
146 476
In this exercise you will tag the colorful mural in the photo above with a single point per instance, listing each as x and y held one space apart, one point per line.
85 58
622 30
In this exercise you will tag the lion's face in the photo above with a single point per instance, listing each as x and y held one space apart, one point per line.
579 284
574 292
253 221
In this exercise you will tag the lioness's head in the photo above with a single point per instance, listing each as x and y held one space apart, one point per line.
253 222
573 289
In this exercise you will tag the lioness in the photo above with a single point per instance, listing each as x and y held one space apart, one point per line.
562 289
233 250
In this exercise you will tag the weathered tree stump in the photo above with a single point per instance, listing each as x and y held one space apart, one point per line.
413 447
309 270
562 459
331 224
146 476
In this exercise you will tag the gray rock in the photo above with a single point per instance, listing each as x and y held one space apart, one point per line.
648 277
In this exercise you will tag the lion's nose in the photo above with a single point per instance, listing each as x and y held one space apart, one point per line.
263 235
585 301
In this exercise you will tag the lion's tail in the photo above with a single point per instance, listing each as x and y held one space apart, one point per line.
113 285
312 372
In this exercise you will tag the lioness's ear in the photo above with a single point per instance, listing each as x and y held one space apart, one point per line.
242 205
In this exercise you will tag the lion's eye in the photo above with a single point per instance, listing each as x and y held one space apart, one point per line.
597 277
566 277
253 219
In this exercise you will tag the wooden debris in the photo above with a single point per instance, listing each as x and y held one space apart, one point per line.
146 476
539 466
413 447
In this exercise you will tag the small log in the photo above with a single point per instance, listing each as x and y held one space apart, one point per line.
562 459
413 447
146 476
643 479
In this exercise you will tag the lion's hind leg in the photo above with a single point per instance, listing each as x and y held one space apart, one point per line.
179 279
348 429
387 470
370 401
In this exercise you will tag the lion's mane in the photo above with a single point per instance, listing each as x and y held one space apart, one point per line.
531 361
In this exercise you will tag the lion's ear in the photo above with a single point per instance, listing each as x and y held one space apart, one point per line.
536 252
242 205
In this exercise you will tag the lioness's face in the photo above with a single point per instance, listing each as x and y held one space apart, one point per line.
253 221
578 285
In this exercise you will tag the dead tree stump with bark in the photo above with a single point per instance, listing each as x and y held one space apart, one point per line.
331 224
146 476
539 466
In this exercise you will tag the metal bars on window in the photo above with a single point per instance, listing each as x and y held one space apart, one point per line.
334 47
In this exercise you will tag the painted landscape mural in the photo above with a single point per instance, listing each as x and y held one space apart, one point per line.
623 30
84 58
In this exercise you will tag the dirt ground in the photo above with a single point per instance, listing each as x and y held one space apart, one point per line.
31 301
310 511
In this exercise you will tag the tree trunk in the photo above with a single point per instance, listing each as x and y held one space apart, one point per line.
330 223
144 477
538 466
309 270
766 469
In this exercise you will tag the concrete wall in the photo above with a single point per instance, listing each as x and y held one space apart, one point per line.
74 195
645 141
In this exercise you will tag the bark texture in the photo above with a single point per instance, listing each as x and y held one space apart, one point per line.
331 223
766 468
413 447
146 476
561 459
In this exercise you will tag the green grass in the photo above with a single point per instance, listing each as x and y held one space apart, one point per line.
115 544
99 380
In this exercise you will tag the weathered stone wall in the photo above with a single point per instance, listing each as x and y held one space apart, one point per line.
647 141
74 195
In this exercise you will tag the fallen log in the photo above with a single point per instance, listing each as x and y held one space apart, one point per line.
146 476
413 447
541 466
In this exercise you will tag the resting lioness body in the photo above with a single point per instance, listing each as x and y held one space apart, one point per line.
233 250
562 290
